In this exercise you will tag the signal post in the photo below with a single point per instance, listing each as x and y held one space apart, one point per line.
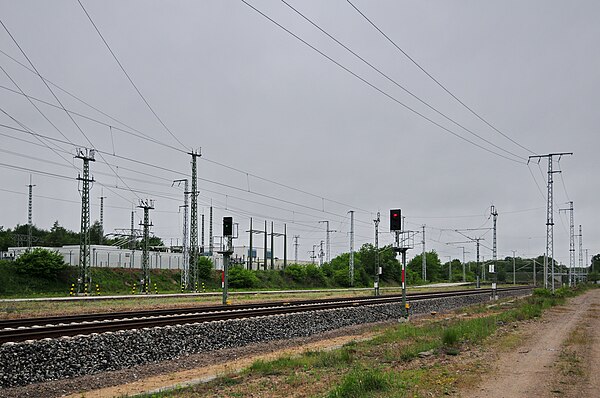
404 240
226 251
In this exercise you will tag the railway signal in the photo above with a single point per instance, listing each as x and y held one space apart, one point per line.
395 220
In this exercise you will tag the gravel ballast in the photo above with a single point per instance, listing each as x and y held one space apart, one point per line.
54 359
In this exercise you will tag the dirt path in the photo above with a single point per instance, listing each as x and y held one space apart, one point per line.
554 358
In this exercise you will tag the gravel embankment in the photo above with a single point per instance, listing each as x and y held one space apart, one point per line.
54 359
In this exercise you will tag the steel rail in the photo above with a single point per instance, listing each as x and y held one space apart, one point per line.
144 320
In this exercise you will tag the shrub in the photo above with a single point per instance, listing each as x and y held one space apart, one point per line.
296 272
41 263
205 267
242 278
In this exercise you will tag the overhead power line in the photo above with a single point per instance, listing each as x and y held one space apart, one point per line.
387 77
437 81
129 77
54 95
374 87
203 158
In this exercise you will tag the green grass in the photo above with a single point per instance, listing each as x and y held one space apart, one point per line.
362 383
384 366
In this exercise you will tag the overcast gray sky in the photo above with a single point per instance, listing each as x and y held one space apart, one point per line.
223 77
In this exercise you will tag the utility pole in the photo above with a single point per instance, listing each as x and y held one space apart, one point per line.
296 244
549 256
284 246
351 263
193 260
377 267
493 271
328 245
477 243
132 240
30 215
102 197
587 263
464 271
571 242
210 231
147 205
514 269
265 249
202 247
84 281
449 268
185 274
250 249
272 247
312 256
534 274
321 254
423 257
580 254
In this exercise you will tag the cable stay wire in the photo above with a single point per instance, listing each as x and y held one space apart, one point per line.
55 96
36 107
387 77
128 76
134 133
148 137
179 174
42 142
443 87
79 99
376 88
186 174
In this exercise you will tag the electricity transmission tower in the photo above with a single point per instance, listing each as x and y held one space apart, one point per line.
193 258
327 245
493 271
549 255
30 214
84 279
102 197
147 205
571 242
185 275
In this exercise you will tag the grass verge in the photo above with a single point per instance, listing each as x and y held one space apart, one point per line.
404 360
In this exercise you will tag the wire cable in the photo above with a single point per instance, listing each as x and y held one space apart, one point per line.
381 91
387 77
129 77
436 80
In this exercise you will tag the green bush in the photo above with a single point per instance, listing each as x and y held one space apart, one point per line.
296 272
315 275
40 263
242 278
205 268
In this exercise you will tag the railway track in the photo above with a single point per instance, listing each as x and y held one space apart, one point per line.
16 330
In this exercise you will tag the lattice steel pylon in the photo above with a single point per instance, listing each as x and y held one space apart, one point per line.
30 214
147 205
185 274
571 242
549 217
84 279
193 259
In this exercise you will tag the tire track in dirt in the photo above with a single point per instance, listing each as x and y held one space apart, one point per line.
529 371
